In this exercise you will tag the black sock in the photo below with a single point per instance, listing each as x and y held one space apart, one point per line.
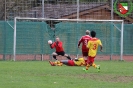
54 57
69 57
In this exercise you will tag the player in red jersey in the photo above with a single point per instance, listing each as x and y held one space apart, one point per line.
58 45
84 40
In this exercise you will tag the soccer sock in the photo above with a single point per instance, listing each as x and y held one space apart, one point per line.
69 57
94 65
87 66
54 57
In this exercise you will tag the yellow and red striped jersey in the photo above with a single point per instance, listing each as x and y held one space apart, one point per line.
93 46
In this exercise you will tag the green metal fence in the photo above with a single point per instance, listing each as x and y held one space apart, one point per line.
32 37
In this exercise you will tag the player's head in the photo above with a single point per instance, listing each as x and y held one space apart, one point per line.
93 34
57 38
87 32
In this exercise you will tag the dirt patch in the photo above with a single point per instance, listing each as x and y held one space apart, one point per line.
109 78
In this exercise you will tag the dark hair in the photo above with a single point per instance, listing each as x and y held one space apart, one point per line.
93 34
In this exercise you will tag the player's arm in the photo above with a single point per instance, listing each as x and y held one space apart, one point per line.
88 45
101 47
79 42
52 45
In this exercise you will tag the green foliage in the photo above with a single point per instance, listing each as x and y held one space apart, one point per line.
37 74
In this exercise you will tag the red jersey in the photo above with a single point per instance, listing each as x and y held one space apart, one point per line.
84 40
58 46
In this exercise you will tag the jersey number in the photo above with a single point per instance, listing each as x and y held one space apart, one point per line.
94 46
85 42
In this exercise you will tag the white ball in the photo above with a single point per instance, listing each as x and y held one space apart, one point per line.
49 41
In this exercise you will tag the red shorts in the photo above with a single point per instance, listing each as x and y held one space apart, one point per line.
71 63
85 54
90 60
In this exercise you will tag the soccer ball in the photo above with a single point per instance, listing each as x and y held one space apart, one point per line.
49 41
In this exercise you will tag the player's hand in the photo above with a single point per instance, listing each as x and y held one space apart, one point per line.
51 45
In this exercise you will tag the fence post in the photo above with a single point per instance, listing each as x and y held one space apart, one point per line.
42 8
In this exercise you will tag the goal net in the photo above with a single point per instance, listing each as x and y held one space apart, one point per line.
31 36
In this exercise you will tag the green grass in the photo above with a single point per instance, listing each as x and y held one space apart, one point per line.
39 74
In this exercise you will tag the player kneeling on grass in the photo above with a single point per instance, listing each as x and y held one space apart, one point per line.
75 62
93 46
58 45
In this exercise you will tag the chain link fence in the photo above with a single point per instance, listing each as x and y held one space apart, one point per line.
57 9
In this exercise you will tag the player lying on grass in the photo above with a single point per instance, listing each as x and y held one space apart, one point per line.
93 46
58 45
75 62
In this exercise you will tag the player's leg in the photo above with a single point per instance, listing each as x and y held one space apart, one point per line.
87 64
52 63
65 62
54 54
94 65
85 56
66 55
60 63
56 63
90 61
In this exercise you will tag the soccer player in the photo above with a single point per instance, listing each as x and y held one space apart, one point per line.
84 40
93 46
58 45
75 62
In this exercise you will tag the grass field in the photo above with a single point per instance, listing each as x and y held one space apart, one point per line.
39 74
